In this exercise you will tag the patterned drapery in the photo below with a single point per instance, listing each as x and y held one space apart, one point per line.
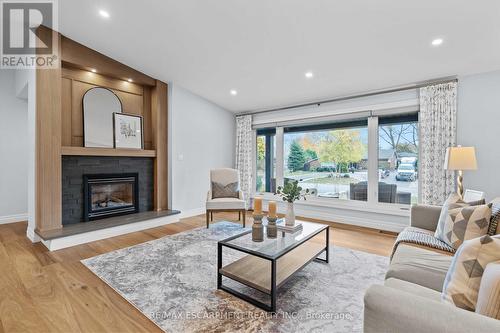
438 127
244 151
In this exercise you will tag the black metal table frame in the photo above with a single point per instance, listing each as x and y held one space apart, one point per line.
273 260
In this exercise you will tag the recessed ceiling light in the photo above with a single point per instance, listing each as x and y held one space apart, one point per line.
129 80
93 70
233 92
309 75
437 42
104 13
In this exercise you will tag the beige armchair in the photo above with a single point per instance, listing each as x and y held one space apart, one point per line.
227 182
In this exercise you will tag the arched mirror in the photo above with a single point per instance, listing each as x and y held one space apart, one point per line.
99 104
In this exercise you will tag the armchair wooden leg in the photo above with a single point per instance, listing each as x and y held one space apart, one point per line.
244 217
207 219
239 216
211 216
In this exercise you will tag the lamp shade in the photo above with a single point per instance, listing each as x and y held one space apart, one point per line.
460 158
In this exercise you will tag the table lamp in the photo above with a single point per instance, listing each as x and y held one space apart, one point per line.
460 158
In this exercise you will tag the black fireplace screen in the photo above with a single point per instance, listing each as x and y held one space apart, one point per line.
110 194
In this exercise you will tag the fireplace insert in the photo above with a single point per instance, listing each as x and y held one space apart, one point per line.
107 195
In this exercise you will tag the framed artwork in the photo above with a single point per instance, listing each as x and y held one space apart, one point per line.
472 195
127 131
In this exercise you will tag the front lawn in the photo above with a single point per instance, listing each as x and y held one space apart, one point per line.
332 181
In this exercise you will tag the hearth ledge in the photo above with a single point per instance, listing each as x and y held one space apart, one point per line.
86 232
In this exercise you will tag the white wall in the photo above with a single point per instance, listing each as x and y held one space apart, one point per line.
478 124
13 151
202 137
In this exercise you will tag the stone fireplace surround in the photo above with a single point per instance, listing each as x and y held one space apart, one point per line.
74 167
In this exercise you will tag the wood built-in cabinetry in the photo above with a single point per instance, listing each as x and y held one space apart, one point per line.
59 121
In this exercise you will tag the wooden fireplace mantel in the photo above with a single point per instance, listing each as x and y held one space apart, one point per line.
59 121
84 151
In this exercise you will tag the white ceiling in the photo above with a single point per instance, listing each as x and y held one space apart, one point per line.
262 48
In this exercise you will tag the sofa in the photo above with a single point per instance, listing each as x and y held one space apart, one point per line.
410 299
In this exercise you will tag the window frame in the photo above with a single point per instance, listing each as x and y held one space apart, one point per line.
372 123
269 134
405 118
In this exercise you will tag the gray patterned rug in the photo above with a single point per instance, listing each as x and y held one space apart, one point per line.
172 280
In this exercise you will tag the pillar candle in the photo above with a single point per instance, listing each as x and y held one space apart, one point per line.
257 205
272 208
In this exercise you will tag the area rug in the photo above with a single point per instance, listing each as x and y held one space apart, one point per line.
173 281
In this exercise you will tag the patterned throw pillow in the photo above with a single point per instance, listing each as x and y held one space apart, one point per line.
230 190
488 298
453 201
461 285
495 217
460 221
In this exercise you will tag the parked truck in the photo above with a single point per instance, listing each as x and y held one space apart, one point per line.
407 169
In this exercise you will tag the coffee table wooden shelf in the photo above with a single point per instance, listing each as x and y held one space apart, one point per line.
269 264
256 272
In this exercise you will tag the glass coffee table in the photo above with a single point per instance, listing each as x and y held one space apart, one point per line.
269 264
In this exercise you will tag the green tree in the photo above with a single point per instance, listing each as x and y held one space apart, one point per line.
310 154
341 147
296 158
261 148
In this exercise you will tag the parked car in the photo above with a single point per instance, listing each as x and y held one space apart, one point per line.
406 172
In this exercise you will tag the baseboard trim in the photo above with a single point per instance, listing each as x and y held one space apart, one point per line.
374 222
13 218
73 240
192 212
32 236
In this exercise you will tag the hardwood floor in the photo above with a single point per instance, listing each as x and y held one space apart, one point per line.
42 291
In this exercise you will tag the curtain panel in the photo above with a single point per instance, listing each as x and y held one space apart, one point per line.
438 127
244 151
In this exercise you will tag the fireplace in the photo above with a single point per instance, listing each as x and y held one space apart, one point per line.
107 195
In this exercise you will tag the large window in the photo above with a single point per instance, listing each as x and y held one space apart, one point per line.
398 160
329 160
373 160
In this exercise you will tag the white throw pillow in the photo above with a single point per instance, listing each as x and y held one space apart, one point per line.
453 201
488 299
463 279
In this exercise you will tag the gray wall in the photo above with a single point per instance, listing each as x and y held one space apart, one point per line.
13 148
479 126
202 137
